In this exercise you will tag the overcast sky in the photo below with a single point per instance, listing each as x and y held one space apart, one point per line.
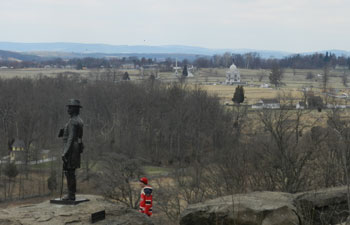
294 26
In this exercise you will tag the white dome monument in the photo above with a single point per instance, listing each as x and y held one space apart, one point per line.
232 75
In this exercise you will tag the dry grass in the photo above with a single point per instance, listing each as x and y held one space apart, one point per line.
34 72
252 94
206 78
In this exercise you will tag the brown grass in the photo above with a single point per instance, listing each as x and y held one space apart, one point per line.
209 76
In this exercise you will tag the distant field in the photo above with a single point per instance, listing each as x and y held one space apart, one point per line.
211 80
252 94
293 83
34 72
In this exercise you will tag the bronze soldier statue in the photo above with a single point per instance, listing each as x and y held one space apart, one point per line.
72 135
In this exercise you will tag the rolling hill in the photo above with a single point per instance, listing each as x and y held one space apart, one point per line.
15 56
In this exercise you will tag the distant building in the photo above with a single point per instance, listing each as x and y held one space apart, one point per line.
127 66
232 75
336 106
257 106
270 103
17 150
45 154
300 105
265 85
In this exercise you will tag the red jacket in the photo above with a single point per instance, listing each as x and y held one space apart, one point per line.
146 200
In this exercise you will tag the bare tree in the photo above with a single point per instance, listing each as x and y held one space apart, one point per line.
117 177
325 77
310 76
282 149
261 75
345 79
276 75
341 129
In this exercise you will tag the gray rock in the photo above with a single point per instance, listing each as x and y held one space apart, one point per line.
324 197
46 213
257 208
325 206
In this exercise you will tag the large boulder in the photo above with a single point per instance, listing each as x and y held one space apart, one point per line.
46 213
257 208
325 206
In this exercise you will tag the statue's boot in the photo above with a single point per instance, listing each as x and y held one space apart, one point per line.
68 197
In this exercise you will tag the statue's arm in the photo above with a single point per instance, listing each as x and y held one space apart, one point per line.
71 134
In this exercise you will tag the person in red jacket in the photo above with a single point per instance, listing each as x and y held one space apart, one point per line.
146 197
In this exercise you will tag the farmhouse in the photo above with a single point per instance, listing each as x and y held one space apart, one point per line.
45 154
127 66
17 150
268 103
336 106
257 106
265 85
300 105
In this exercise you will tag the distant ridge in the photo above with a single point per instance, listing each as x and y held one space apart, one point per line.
70 50
129 49
15 56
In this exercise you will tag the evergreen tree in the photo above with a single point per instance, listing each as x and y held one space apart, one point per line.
126 76
327 58
79 65
238 96
11 170
184 71
326 70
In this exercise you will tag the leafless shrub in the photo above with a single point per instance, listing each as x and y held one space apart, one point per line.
117 179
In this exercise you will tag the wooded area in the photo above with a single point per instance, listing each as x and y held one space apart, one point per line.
212 149
248 61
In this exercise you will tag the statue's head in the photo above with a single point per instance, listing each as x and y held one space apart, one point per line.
73 106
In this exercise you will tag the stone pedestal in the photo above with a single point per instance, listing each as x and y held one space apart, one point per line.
68 202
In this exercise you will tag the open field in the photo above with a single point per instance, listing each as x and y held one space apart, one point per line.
212 80
33 72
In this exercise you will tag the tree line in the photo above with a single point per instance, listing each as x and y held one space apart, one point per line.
248 61
254 61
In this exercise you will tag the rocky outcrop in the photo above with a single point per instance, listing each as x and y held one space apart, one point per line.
327 206
257 208
46 213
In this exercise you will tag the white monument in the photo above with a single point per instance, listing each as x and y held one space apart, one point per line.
232 75
176 68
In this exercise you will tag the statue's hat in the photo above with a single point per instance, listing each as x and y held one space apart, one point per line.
74 102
